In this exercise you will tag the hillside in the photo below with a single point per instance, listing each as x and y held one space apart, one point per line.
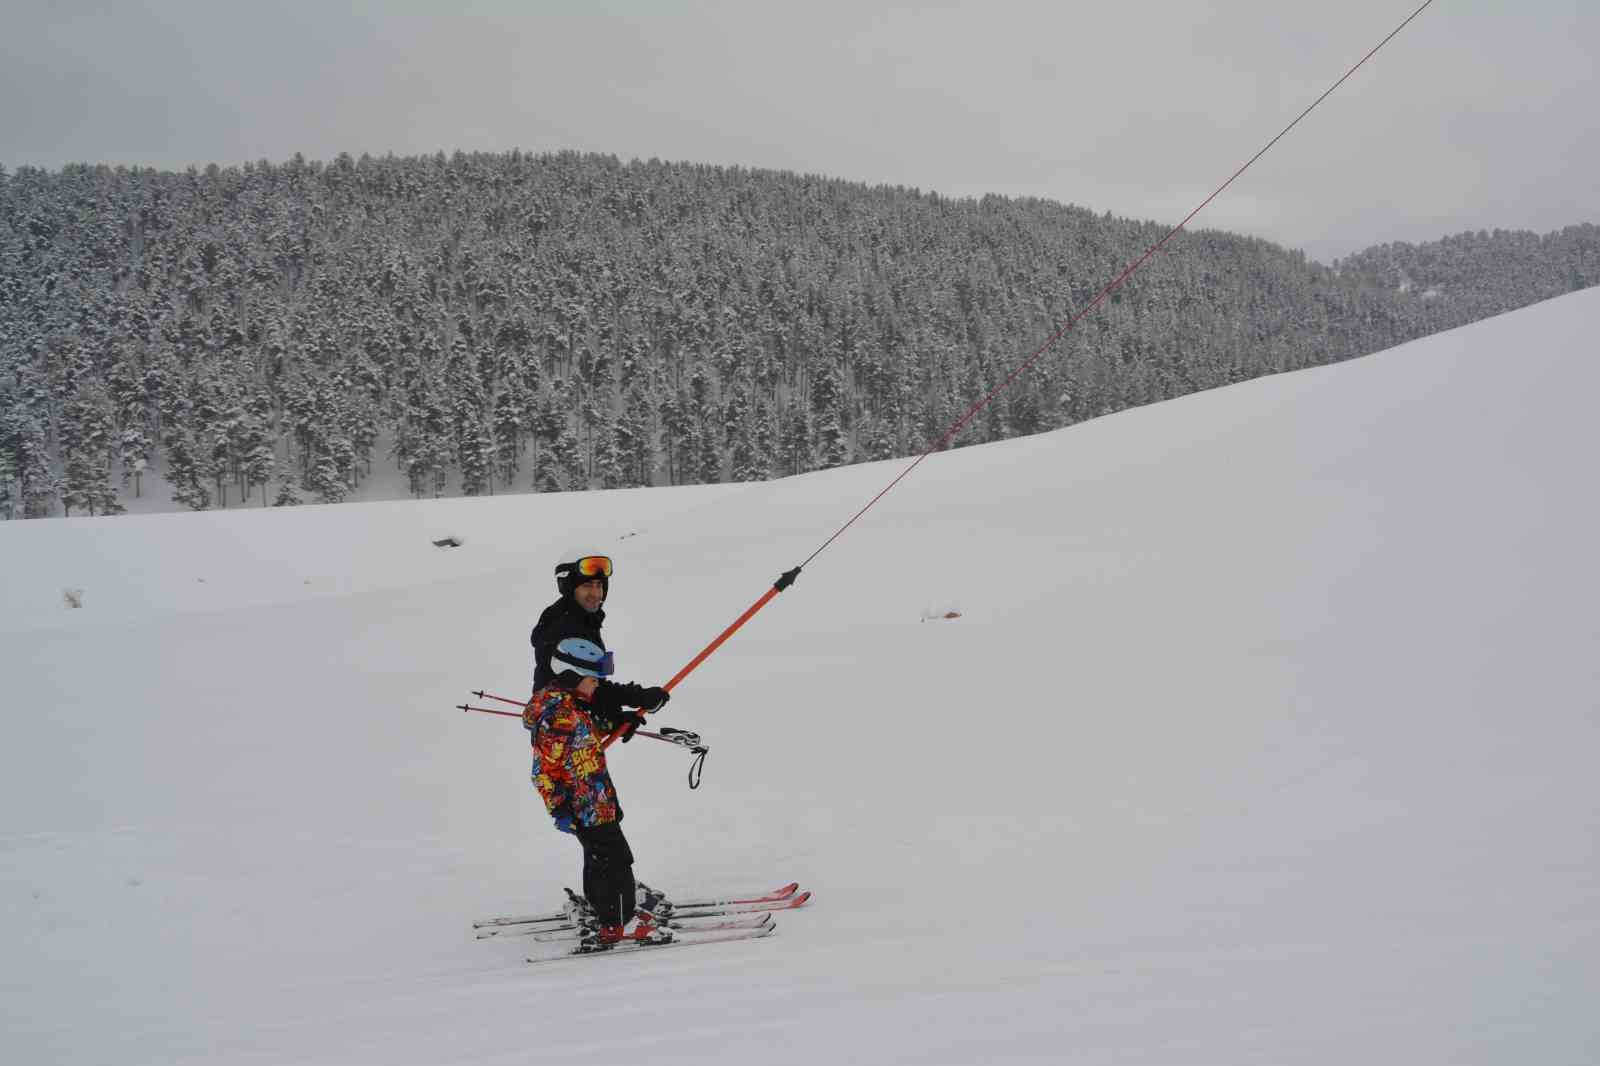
1264 735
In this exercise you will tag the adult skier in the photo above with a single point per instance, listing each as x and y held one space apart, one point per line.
574 707
583 581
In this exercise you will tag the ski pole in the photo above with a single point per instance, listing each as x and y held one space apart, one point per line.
683 738
482 695
486 710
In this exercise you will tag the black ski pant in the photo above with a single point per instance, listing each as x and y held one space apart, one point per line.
608 873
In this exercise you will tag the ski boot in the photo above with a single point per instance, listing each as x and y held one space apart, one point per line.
578 910
605 937
653 905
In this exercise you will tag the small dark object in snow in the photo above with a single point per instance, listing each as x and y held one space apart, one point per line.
448 542
73 597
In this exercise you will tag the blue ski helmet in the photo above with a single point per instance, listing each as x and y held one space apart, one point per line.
582 656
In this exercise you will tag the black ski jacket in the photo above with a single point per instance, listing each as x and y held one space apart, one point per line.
563 619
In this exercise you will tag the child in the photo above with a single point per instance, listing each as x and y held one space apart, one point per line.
569 719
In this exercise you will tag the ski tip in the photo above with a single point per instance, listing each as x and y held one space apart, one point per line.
801 899
789 889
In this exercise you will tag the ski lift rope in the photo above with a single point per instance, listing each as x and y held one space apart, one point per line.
1115 284
788 578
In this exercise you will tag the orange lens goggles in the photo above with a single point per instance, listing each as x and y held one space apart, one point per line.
594 566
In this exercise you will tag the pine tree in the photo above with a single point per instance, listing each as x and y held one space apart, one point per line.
610 453
329 470
288 495
86 456
710 458
260 467
877 439
37 483
475 453
637 437
216 459
474 446
678 421
133 452
766 441
828 417
126 387
548 422
795 456
184 474
360 428
10 447
8 483
511 417
567 466
744 466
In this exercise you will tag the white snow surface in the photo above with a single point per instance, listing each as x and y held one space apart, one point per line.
1267 734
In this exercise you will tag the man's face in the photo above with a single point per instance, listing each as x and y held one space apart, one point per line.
590 595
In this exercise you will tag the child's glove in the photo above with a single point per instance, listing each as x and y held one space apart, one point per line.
630 723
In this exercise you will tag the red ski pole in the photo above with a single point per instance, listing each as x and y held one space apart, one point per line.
679 737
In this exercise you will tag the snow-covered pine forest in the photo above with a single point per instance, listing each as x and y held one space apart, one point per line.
489 323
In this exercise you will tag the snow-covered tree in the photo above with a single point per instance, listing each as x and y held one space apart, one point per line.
260 466
134 449
288 494
86 448
185 475
828 417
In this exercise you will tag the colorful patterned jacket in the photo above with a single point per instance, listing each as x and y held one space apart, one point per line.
569 765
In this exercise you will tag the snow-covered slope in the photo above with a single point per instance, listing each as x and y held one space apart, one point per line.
1265 735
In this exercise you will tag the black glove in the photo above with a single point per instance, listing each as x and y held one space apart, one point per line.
653 699
629 723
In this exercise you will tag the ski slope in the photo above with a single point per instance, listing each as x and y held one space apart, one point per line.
1266 734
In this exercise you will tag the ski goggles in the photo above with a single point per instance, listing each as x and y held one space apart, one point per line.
593 566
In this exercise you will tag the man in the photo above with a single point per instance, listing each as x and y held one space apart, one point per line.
583 582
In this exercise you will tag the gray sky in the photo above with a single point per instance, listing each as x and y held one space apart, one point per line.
1482 114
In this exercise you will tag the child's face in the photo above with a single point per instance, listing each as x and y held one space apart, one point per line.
590 595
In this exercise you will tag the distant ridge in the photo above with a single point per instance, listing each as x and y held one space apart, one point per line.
474 324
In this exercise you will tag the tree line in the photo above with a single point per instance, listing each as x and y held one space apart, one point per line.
508 322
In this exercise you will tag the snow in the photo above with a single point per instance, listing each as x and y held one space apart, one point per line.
1264 735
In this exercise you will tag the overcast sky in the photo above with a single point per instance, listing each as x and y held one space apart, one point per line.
1482 114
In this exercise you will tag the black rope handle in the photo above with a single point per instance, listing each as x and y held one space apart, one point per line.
690 740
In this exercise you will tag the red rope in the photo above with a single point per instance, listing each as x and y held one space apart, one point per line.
1115 284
